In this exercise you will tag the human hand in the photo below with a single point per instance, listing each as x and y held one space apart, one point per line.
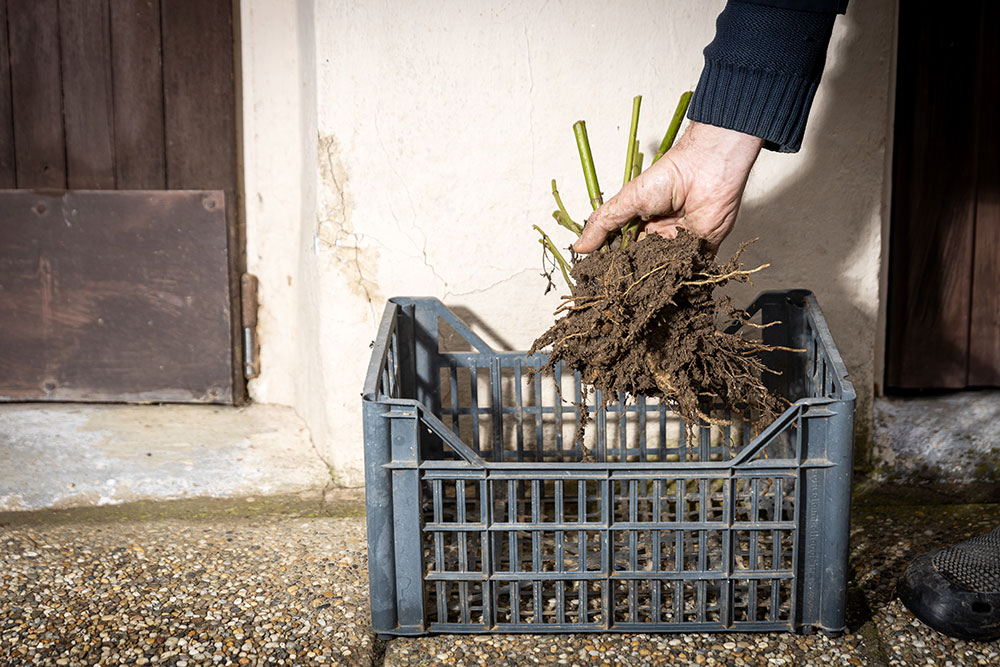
697 185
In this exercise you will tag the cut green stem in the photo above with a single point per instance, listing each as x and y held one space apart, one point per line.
630 151
560 260
587 162
675 125
561 216
631 229
630 232
568 224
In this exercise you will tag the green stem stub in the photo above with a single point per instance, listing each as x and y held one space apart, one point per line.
567 223
561 216
675 125
637 163
629 232
587 162
632 130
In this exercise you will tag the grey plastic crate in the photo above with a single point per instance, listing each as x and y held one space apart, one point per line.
486 515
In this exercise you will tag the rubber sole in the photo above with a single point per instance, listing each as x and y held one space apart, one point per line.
947 607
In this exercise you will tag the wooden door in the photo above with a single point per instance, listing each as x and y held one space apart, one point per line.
943 325
119 117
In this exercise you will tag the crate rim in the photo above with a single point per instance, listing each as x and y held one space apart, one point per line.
382 341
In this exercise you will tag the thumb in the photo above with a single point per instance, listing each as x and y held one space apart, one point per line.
592 237
611 216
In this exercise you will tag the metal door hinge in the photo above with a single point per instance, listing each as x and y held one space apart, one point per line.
248 307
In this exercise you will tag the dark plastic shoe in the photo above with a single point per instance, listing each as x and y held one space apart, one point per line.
956 590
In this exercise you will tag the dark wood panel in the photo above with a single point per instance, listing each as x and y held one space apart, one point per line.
199 103
137 73
36 93
933 198
199 98
984 330
85 36
984 326
135 95
111 296
8 178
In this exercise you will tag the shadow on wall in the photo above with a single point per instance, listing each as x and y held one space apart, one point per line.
496 339
832 187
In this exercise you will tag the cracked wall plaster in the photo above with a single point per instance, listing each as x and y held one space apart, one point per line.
350 252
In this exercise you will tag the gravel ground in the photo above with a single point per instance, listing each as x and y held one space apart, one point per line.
258 590
221 585
641 649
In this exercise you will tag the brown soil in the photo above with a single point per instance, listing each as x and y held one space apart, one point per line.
644 321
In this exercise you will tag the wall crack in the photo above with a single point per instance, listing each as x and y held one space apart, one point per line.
409 198
480 290
334 231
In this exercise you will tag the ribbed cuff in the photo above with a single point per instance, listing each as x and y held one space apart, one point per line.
762 103
762 70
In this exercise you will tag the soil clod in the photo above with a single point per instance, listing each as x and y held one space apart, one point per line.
643 320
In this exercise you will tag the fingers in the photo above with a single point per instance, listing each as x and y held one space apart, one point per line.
592 237
665 228
611 216
668 228
652 194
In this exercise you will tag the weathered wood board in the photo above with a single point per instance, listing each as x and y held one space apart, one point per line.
111 296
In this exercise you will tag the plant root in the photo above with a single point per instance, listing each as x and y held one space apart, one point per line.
661 334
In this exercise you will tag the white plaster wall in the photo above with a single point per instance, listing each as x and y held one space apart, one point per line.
406 148
280 170
278 65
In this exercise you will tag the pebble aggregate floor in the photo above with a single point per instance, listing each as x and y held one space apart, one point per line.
261 583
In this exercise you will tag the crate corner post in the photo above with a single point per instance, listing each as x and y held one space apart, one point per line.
407 519
378 517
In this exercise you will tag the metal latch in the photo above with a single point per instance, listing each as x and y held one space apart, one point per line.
248 306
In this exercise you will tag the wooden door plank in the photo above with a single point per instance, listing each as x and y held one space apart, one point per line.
112 296
199 102
137 75
199 98
933 199
85 37
36 92
984 330
8 178
984 327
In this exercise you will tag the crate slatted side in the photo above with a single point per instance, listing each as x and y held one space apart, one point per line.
502 522
533 416
614 550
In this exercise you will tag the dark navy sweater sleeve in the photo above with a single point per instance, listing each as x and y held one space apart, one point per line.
763 67
838 6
